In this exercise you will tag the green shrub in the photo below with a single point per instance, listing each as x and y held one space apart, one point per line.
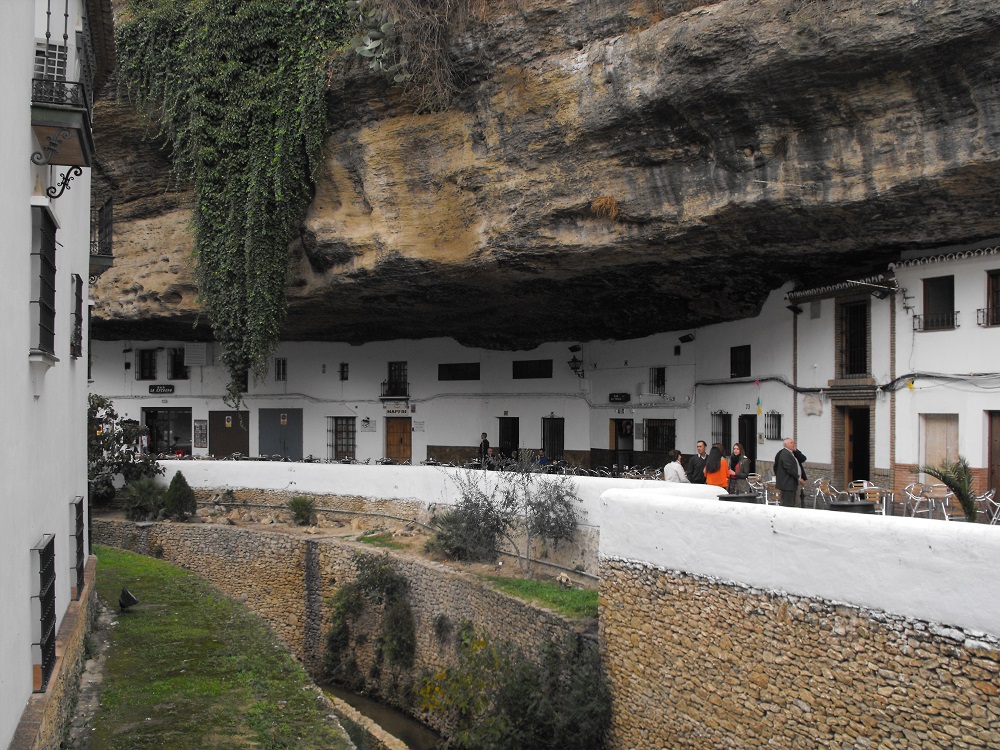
496 697
143 500
180 501
399 636
302 509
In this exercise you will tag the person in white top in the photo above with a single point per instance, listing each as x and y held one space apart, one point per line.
673 471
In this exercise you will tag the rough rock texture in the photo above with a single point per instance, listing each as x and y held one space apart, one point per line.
744 142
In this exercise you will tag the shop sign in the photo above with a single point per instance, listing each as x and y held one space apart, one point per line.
161 389
619 398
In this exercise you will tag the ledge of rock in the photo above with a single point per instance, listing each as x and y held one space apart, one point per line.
740 144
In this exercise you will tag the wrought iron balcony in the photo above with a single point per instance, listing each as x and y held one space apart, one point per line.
60 118
989 316
395 389
101 255
936 322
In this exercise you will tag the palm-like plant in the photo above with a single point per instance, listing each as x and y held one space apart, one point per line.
957 476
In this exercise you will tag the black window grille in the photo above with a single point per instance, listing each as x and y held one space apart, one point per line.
344 370
661 435
459 371
80 557
658 380
722 429
44 648
772 426
990 315
176 364
939 305
553 437
280 369
397 384
43 274
341 437
145 364
854 338
76 335
102 231
739 361
527 369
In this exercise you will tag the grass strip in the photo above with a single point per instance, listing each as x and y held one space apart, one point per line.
383 539
568 601
190 668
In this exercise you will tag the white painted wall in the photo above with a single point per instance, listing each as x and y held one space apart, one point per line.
970 353
427 485
904 566
43 460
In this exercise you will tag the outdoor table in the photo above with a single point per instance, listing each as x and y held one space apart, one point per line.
852 506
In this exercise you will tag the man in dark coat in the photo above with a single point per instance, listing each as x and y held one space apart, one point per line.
789 476
696 464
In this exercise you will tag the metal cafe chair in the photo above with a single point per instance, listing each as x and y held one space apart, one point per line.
756 483
989 506
916 502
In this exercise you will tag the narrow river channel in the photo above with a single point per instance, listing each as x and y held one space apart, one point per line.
395 722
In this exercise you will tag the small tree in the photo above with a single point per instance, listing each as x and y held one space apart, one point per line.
181 501
302 509
112 450
957 476
516 505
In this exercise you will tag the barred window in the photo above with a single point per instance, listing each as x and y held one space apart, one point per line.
772 426
176 363
344 370
658 381
661 435
526 369
341 440
280 369
145 364
722 429
76 335
43 282
43 647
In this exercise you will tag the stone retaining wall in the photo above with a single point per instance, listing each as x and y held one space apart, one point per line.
288 580
697 663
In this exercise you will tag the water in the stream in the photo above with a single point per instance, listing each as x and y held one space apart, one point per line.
399 725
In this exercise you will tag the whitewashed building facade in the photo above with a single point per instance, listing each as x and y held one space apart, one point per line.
49 64
830 366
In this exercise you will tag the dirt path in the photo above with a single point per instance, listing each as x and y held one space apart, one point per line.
91 679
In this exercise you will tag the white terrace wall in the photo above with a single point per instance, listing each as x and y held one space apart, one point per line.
406 491
730 625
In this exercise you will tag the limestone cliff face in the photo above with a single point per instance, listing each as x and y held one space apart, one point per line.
744 143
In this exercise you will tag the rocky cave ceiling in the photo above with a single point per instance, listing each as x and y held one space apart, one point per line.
745 144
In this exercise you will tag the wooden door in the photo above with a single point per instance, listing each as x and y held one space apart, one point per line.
228 433
398 434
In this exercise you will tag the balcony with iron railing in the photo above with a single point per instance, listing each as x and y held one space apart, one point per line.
989 316
101 240
936 322
61 121
395 389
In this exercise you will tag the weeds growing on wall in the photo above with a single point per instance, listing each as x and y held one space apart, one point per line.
303 509
237 87
381 590
498 698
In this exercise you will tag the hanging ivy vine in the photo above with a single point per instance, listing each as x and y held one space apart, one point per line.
237 87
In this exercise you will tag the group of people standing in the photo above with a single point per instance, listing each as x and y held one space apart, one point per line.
711 467
731 472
